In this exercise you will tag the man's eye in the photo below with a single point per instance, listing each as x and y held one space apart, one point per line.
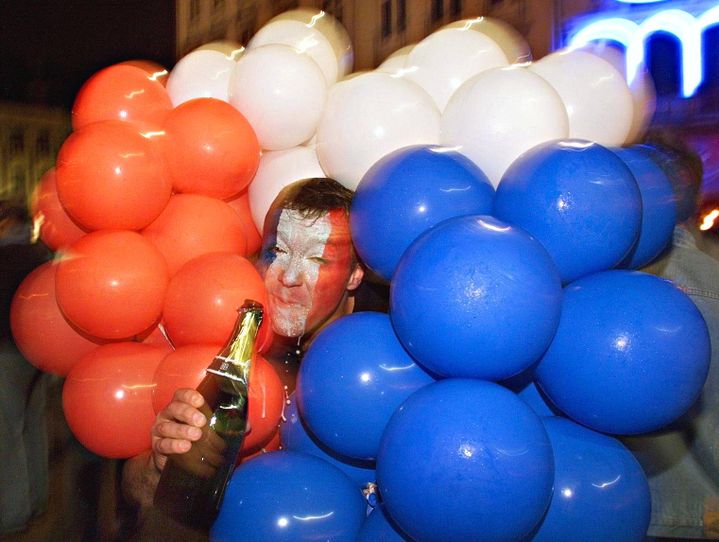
318 259
276 250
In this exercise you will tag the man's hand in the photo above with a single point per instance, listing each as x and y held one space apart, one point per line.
177 426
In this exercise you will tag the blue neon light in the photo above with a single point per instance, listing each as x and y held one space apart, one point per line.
684 26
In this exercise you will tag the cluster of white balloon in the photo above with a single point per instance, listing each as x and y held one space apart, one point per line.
470 85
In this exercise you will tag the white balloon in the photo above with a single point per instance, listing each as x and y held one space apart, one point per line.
230 48
395 62
369 116
599 103
200 74
277 169
515 47
281 92
332 29
501 113
302 37
644 95
444 60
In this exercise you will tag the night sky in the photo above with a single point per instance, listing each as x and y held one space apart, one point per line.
49 48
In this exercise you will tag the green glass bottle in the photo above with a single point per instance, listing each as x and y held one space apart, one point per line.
192 484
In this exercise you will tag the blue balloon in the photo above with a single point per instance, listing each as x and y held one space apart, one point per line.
578 199
658 207
289 496
475 297
352 378
409 191
630 355
465 459
379 528
600 490
295 436
524 386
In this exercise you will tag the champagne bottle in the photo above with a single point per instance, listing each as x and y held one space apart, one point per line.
192 484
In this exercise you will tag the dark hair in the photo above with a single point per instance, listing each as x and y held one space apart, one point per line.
314 198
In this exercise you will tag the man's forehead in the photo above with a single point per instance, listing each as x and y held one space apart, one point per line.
334 223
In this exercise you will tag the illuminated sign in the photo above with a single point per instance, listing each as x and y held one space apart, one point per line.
687 28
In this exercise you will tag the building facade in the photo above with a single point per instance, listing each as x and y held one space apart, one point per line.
30 137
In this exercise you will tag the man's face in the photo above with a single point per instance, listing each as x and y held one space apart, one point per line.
306 264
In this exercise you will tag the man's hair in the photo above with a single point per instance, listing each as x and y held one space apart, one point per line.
314 198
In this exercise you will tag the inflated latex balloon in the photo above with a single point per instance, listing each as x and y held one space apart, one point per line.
408 192
107 398
229 48
156 336
480 448
282 92
524 386
445 59
112 284
577 198
296 436
277 169
186 367
499 114
201 74
210 149
369 116
241 206
377 526
600 490
330 27
305 38
475 297
111 176
619 362
396 62
644 95
512 43
658 207
42 334
192 225
204 295
352 378
57 229
121 92
157 72
289 496
599 103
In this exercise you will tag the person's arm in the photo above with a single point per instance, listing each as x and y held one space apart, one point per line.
175 428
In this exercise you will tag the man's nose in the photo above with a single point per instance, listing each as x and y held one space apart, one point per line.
292 273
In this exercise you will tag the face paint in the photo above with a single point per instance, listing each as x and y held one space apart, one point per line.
306 265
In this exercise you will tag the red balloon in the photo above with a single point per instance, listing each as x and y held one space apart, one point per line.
203 298
41 332
57 229
111 176
156 71
273 445
185 368
210 148
121 92
111 284
241 205
155 337
107 398
192 225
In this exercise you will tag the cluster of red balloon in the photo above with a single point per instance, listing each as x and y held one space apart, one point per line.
494 297
148 211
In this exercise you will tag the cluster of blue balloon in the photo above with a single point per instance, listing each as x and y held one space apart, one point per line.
506 308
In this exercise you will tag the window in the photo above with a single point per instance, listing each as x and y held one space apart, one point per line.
42 143
455 8
437 10
401 15
17 142
386 18
194 10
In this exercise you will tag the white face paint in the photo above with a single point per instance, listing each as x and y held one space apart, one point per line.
292 276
